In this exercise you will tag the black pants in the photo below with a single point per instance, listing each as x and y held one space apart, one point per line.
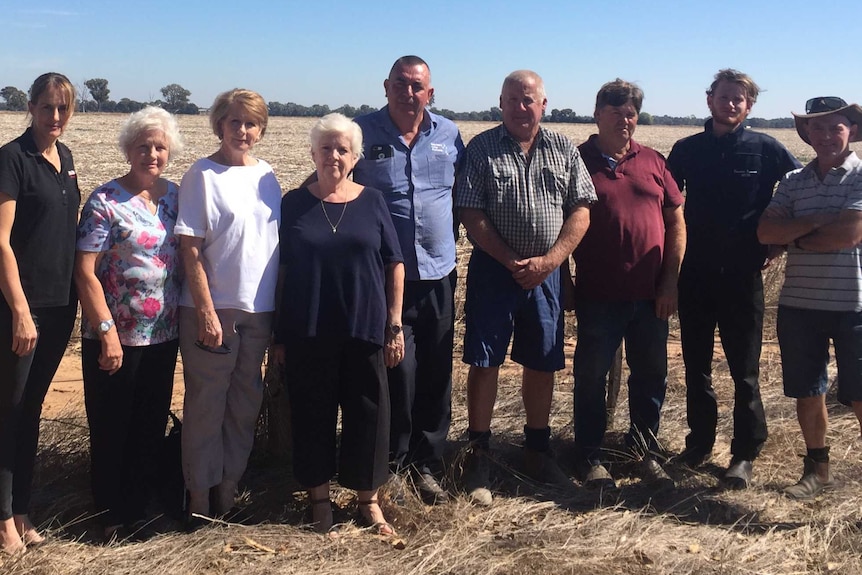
323 374
420 387
24 381
733 302
127 413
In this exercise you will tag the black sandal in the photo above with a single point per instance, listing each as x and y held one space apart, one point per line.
383 528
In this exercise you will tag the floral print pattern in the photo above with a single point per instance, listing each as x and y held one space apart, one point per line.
139 269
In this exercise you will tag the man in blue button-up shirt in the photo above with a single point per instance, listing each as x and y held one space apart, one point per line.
410 154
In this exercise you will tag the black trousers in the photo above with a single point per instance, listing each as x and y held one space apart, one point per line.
323 375
127 413
420 387
734 303
24 381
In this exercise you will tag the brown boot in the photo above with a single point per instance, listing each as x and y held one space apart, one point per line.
815 478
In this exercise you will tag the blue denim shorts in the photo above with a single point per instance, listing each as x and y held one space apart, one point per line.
496 308
803 336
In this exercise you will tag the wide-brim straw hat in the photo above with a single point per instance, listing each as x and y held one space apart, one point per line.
823 106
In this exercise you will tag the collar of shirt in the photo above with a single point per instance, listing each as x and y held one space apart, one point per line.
425 128
541 136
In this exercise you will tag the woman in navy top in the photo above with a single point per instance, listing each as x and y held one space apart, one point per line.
39 201
339 324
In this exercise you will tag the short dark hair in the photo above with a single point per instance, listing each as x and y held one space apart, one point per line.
618 92
752 90
408 61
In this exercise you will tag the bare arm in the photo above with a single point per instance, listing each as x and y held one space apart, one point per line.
674 249
209 326
394 348
482 231
842 233
776 229
24 333
533 271
95 308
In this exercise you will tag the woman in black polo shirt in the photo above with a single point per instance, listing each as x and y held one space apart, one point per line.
39 200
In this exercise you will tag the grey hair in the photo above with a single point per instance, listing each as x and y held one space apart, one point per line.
524 76
336 123
149 119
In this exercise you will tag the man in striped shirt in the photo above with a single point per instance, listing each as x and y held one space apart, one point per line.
523 194
817 213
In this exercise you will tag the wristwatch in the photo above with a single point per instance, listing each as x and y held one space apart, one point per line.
394 329
105 326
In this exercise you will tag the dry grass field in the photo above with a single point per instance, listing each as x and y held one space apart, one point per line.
696 529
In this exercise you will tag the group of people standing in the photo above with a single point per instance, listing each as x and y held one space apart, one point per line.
350 281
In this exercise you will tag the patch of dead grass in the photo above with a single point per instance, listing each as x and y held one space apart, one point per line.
698 529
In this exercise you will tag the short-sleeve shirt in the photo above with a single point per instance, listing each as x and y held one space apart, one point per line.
139 268
821 280
527 202
46 215
620 256
236 210
335 280
416 181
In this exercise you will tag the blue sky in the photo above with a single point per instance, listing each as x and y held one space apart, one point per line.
337 52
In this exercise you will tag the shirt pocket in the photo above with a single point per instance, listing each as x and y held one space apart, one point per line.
555 186
441 171
377 171
502 187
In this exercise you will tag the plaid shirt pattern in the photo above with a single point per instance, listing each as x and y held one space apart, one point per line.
526 201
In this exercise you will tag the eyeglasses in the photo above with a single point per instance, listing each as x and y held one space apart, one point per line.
824 104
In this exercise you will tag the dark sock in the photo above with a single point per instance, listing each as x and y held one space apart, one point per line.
480 439
537 439
819 454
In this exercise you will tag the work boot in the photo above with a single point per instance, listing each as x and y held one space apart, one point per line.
815 478
738 475
594 475
475 477
654 475
541 466
428 488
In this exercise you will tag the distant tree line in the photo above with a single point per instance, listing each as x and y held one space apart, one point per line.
94 96
176 100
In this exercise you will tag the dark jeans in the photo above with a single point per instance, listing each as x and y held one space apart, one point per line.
325 374
420 387
734 303
601 328
24 381
127 413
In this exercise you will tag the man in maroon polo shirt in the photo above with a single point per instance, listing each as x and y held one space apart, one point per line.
627 267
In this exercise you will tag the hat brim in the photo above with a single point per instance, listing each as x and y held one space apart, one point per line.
852 111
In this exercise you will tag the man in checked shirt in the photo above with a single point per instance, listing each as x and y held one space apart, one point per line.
523 194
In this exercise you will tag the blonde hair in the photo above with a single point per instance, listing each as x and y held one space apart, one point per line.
252 103
57 81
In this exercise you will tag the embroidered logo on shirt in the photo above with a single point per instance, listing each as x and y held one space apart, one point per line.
438 148
72 174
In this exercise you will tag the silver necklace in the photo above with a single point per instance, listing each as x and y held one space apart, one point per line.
325 215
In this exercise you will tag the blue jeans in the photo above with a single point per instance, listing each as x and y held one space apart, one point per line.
601 328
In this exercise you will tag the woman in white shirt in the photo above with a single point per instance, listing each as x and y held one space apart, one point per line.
229 213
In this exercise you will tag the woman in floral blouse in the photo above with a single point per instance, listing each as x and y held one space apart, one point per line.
126 271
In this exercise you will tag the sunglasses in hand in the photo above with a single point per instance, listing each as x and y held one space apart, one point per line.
220 350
